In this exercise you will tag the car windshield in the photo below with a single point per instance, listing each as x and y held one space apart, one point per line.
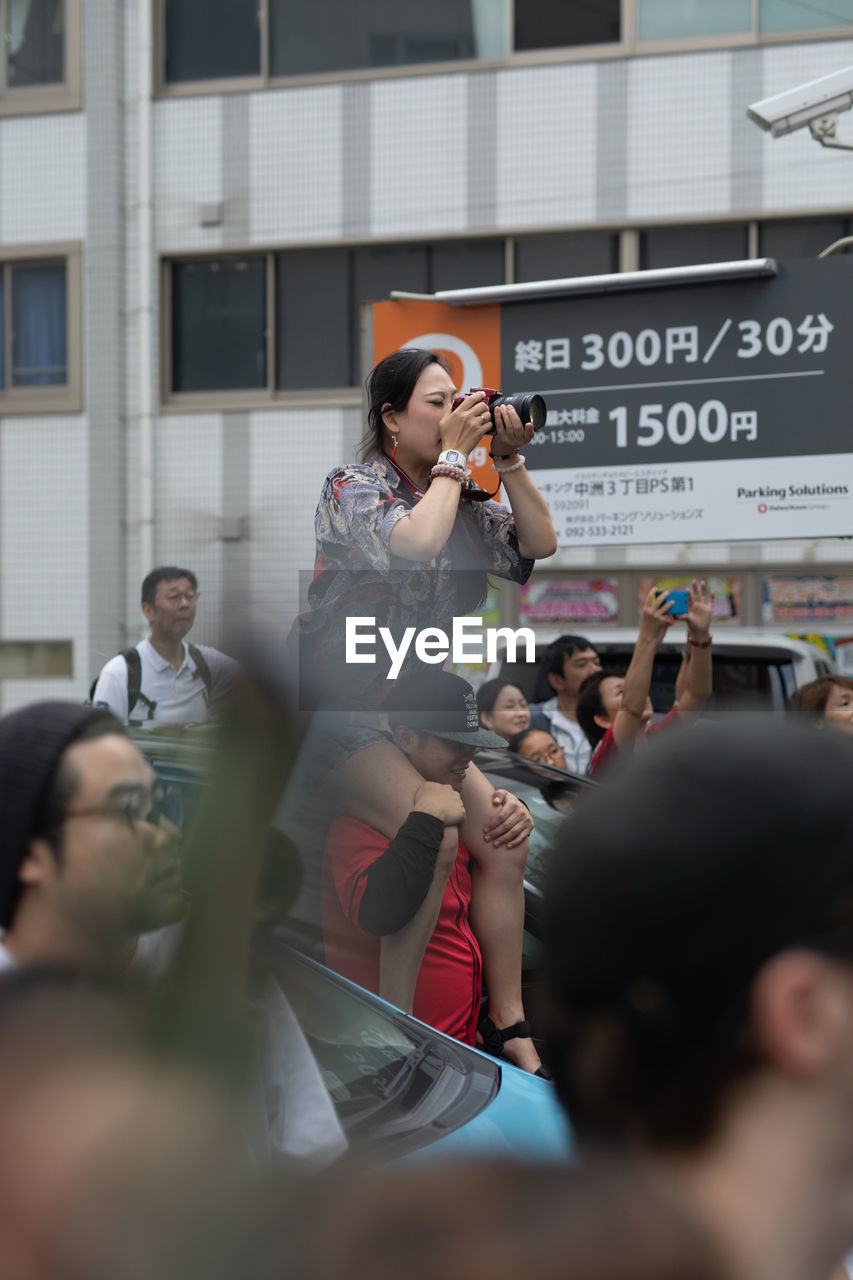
743 682
391 1078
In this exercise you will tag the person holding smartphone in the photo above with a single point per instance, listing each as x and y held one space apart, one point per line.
614 707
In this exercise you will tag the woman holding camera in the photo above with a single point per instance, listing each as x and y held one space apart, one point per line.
407 539
411 512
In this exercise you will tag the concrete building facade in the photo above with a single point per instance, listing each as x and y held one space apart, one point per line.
210 222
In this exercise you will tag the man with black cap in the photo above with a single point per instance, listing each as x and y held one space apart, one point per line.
373 887
85 863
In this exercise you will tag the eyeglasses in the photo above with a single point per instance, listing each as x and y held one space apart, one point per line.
547 756
139 805
174 597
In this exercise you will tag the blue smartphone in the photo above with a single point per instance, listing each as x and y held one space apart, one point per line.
679 603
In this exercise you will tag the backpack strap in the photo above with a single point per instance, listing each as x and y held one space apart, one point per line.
201 667
134 684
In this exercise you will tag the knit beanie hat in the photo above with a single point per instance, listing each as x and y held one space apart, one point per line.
32 741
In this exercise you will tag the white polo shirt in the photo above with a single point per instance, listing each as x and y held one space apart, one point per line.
180 695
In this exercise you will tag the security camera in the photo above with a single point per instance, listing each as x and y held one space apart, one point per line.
816 104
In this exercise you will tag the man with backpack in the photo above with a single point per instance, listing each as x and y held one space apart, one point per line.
163 678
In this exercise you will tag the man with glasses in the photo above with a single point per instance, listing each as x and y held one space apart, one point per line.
87 859
164 679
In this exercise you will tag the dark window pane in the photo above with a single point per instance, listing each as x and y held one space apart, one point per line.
801 237
340 35
549 24
35 40
211 39
313 320
553 257
467 265
689 246
219 325
376 272
39 338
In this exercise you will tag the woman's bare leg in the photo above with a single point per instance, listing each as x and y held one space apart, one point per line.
377 786
497 914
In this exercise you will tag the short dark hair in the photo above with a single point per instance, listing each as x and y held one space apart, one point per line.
563 647
516 742
489 692
165 573
654 930
811 698
589 703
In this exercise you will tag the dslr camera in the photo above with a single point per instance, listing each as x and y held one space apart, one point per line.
529 408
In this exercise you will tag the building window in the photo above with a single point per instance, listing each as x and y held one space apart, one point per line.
232 39
671 19
291 321
776 16
802 237
211 40
219 324
697 19
559 256
39 333
550 24
39 61
687 246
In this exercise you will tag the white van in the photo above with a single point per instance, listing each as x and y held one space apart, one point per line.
754 669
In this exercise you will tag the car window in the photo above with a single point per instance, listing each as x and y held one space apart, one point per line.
741 682
391 1078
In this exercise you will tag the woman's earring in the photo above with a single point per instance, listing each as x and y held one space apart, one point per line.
394 438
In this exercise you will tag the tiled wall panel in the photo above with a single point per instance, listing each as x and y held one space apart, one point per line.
44 539
295 165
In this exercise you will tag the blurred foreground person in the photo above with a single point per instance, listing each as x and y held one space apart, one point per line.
481 1221
87 861
119 1166
699 962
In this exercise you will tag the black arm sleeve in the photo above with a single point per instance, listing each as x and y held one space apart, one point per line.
398 881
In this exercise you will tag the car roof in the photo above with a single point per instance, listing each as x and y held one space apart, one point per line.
733 639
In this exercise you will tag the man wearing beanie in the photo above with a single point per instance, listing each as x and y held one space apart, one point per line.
83 868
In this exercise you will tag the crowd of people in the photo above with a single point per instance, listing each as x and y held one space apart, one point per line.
160 1106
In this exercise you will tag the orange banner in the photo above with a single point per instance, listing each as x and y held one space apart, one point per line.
468 338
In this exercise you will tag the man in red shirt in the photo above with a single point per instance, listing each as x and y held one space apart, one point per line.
614 707
372 886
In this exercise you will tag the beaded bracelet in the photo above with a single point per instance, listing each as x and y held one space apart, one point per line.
504 471
450 470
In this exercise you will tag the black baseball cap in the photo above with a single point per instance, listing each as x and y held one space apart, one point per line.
440 703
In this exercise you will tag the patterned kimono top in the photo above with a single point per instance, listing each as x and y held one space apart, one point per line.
355 573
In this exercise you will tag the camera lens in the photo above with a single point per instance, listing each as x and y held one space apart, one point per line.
529 408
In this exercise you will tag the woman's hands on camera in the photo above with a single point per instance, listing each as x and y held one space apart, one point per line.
463 428
510 432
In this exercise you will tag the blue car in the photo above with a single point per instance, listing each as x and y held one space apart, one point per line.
397 1084
401 1086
